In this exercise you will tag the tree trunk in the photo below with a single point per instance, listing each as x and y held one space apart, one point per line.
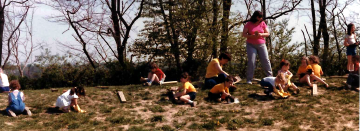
316 38
116 33
225 25
325 34
172 35
338 48
2 23
214 29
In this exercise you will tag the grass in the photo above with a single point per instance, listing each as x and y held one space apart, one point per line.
148 109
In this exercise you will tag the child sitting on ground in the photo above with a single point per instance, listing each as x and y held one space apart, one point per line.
214 71
69 99
353 78
16 100
285 66
221 91
187 92
272 82
314 71
155 76
302 71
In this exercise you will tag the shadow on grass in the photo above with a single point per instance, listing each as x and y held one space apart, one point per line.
261 97
53 110
4 113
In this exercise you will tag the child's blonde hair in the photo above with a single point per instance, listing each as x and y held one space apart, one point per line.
306 59
281 77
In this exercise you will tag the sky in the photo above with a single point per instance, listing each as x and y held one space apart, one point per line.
50 32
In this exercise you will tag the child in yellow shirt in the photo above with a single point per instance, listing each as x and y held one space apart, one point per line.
214 72
187 92
313 72
221 91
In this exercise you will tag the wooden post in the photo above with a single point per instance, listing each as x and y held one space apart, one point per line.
103 87
170 82
338 76
121 96
314 91
54 90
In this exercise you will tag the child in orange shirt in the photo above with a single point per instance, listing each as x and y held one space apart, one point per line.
221 91
313 72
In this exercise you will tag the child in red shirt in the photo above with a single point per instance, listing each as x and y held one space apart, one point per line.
353 78
155 76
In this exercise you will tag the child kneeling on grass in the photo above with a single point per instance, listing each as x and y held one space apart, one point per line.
273 82
69 99
16 100
221 91
155 76
185 93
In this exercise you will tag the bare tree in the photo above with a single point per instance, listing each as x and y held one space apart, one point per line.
118 12
23 51
3 9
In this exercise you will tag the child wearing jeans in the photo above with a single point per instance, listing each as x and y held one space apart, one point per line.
214 71
273 82
16 100
155 76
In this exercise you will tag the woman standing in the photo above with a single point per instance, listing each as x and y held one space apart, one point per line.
255 31
350 43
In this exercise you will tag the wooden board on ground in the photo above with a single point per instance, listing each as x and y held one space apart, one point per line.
103 87
54 90
238 79
338 76
255 79
121 96
314 90
170 82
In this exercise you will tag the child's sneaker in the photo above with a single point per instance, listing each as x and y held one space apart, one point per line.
193 104
148 83
236 100
218 100
249 82
11 113
28 112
